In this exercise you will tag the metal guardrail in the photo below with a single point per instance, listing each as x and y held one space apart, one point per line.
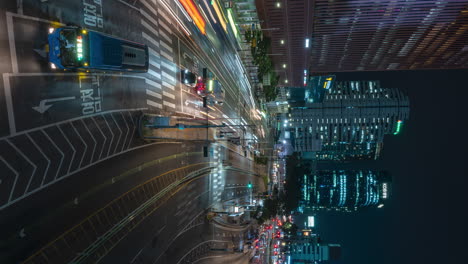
95 236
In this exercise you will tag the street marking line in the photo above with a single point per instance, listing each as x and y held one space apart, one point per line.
168 66
167 56
163 14
112 139
74 150
82 140
118 127
11 40
28 160
169 95
128 130
167 47
166 28
168 85
154 53
155 64
149 7
169 104
155 74
9 104
149 102
61 160
47 158
153 83
95 142
153 94
147 16
133 132
150 39
149 27
169 77
105 138
16 177
129 5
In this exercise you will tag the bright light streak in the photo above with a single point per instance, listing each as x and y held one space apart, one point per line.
192 10
220 15
210 85
307 42
176 18
209 11
231 21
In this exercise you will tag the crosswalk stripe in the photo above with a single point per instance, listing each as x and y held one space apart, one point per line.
168 77
149 7
167 85
168 95
154 84
150 39
162 13
169 104
147 16
162 33
149 27
167 56
155 64
154 94
152 52
149 102
169 66
157 75
166 46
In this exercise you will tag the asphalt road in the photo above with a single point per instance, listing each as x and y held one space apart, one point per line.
60 165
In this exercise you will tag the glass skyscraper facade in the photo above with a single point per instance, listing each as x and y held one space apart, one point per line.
351 121
344 190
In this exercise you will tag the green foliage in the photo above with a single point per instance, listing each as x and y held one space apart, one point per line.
261 160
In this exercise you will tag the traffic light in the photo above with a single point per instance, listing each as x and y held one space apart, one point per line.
249 185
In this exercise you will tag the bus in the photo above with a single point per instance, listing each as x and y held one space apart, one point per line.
75 48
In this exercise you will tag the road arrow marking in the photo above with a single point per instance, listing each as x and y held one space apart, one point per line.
42 107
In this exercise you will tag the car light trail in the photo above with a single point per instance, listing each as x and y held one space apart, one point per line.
222 19
192 10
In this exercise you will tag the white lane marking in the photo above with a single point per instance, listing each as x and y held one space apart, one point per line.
126 135
169 104
133 132
148 17
95 142
166 46
166 28
105 138
168 95
149 7
152 83
118 127
82 140
149 27
11 40
153 94
28 160
16 177
81 169
152 52
74 151
155 74
168 85
170 66
149 102
112 139
47 158
155 64
61 153
166 55
169 77
9 104
150 39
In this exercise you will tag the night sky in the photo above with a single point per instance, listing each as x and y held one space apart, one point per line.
425 220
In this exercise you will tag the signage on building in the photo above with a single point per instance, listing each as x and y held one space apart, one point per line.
384 191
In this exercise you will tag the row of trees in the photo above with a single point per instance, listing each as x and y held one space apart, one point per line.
260 47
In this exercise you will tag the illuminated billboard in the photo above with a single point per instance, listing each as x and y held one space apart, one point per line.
311 221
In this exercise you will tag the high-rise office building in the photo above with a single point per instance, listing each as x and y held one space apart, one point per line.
344 190
350 123
369 35
308 249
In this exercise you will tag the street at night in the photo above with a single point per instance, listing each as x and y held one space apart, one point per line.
231 131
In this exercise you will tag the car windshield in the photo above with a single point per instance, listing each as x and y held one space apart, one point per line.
68 48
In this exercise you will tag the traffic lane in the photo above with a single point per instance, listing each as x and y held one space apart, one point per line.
153 236
75 198
44 99
234 258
